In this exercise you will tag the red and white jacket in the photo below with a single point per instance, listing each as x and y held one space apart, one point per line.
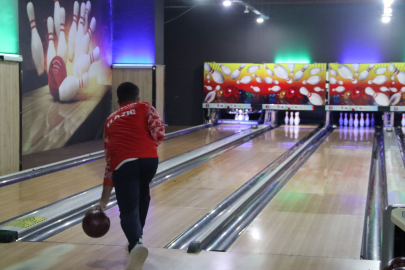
134 131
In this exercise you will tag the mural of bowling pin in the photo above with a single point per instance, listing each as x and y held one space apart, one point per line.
83 63
62 47
72 32
71 85
37 49
51 45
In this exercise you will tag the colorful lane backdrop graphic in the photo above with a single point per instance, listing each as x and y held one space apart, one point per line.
379 84
302 84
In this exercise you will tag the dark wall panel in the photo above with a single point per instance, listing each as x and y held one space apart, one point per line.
314 33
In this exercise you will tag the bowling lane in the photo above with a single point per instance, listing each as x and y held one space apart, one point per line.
178 203
26 196
320 211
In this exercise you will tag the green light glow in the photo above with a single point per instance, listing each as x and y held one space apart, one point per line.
293 55
9 26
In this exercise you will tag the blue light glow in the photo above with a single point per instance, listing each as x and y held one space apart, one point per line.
360 52
133 32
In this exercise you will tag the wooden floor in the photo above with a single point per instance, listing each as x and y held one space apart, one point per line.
26 196
178 203
320 211
50 256
324 196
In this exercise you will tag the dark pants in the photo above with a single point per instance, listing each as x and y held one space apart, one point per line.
131 183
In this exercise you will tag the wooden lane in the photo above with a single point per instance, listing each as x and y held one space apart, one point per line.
26 196
47 256
178 203
320 211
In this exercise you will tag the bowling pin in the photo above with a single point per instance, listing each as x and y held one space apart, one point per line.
393 89
291 67
333 72
403 120
355 133
314 98
269 71
56 17
236 72
345 121
314 80
209 88
318 89
356 68
372 120
334 81
245 80
356 120
396 98
275 88
79 33
84 47
37 49
379 98
210 97
339 89
380 70
286 130
86 17
286 118
72 32
346 73
298 75
351 120
225 70
258 79
392 79
269 80
246 117
341 120
84 62
292 118
362 120
240 115
62 47
381 79
208 78
297 119
71 85
236 116
367 122
400 74
255 88
282 73
51 45
253 68
216 75
315 70
364 74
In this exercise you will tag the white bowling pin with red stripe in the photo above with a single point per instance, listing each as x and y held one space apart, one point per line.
56 16
86 17
79 33
51 45
84 61
71 85
37 49
84 47
72 32
62 47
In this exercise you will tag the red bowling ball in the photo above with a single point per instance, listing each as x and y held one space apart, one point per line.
95 223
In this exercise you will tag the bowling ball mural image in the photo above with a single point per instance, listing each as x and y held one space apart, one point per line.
265 83
378 84
66 47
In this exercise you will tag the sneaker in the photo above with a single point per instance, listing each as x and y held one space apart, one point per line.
137 257
139 242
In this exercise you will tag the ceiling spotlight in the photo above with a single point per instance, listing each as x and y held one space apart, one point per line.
260 20
227 3
246 10
388 10
385 19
